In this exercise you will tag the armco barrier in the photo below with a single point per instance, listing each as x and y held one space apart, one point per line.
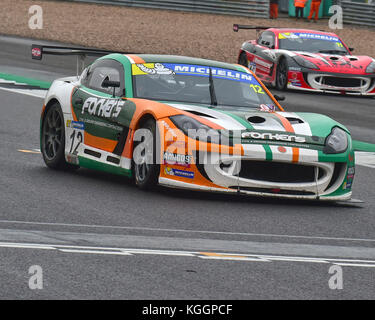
246 8
359 13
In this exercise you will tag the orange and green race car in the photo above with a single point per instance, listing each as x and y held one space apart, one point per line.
192 123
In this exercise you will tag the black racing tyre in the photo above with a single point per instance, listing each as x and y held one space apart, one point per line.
282 75
146 173
53 139
243 60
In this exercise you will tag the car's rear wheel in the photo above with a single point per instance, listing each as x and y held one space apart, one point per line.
243 60
53 139
282 75
146 172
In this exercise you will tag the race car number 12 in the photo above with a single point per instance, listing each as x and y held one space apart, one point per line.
76 139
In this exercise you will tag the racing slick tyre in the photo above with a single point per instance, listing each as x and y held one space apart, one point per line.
146 172
243 60
282 75
53 140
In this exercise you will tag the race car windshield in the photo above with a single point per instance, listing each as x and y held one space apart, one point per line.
311 42
198 84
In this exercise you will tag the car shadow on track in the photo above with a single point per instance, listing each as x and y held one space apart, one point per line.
166 193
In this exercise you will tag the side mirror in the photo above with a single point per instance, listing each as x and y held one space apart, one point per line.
279 98
351 49
111 84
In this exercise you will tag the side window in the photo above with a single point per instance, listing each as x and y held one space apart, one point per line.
106 69
267 39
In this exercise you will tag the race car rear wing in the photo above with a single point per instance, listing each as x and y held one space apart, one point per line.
237 27
37 52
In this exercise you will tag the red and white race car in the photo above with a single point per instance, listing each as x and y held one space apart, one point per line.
307 60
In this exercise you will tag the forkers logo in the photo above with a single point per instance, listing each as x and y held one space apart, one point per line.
273 136
106 108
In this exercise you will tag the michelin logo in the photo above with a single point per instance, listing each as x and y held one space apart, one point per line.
216 72
158 69
179 173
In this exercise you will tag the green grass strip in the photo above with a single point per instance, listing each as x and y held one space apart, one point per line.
363 146
31 82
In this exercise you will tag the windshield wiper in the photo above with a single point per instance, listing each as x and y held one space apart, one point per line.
333 51
212 90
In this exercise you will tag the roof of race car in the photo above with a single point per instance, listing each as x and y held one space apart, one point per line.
160 58
284 30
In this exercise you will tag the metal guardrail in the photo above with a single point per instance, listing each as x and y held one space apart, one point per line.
359 13
246 8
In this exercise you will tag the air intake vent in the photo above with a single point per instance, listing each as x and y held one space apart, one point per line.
294 120
256 119
200 114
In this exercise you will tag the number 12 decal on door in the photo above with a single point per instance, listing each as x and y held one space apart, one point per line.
75 133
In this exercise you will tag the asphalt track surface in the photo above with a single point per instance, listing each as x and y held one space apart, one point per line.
96 236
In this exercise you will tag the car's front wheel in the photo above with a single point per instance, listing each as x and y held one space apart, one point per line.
145 164
282 75
53 139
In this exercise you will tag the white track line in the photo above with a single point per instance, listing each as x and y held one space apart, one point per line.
239 257
366 159
183 231
41 94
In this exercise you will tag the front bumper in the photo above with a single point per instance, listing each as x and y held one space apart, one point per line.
251 174
332 83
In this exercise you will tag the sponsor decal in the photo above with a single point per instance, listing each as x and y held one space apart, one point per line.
36 52
155 68
262 63
102 107
267 107
252 66
295 69
179 159
79 125
349 178
273 136
196 70
281 149
304 35
102 124
179 173
295 83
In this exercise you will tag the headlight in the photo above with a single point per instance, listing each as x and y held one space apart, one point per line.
371 68
336 142
196 130
305 63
